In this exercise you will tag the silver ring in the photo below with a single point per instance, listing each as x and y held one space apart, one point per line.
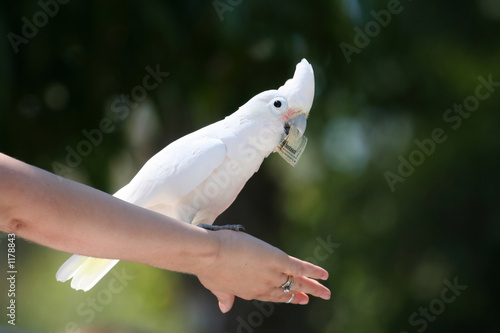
288 285
291 299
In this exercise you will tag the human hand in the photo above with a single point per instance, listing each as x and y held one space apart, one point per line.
252 269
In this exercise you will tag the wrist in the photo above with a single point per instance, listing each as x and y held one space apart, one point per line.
192 249
209 252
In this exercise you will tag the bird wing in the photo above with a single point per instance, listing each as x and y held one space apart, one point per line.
174 172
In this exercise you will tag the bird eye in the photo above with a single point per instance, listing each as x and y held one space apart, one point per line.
278 106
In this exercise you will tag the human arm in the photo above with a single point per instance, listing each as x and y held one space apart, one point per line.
71 217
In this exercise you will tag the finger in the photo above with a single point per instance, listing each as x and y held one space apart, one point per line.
310 286
226 301
298 298
278 296
307 286
304 268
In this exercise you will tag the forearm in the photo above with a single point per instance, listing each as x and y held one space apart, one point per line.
75 218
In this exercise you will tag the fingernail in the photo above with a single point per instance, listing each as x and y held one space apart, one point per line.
326 295
303 302
223 307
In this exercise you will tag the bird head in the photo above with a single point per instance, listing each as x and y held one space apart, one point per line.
287 106
275 120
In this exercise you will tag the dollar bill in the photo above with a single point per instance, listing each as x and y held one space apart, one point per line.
292 146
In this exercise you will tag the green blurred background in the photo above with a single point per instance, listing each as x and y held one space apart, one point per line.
390 250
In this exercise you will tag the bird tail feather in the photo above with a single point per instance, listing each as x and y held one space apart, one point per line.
85 271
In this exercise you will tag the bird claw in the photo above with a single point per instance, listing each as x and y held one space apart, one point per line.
234 227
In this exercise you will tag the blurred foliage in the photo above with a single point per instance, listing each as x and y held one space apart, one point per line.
394 249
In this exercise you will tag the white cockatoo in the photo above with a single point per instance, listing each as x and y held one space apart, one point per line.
197 177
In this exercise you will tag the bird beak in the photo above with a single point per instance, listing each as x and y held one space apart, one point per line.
299 91
299 122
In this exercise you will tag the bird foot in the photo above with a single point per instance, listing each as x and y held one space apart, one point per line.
234 227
